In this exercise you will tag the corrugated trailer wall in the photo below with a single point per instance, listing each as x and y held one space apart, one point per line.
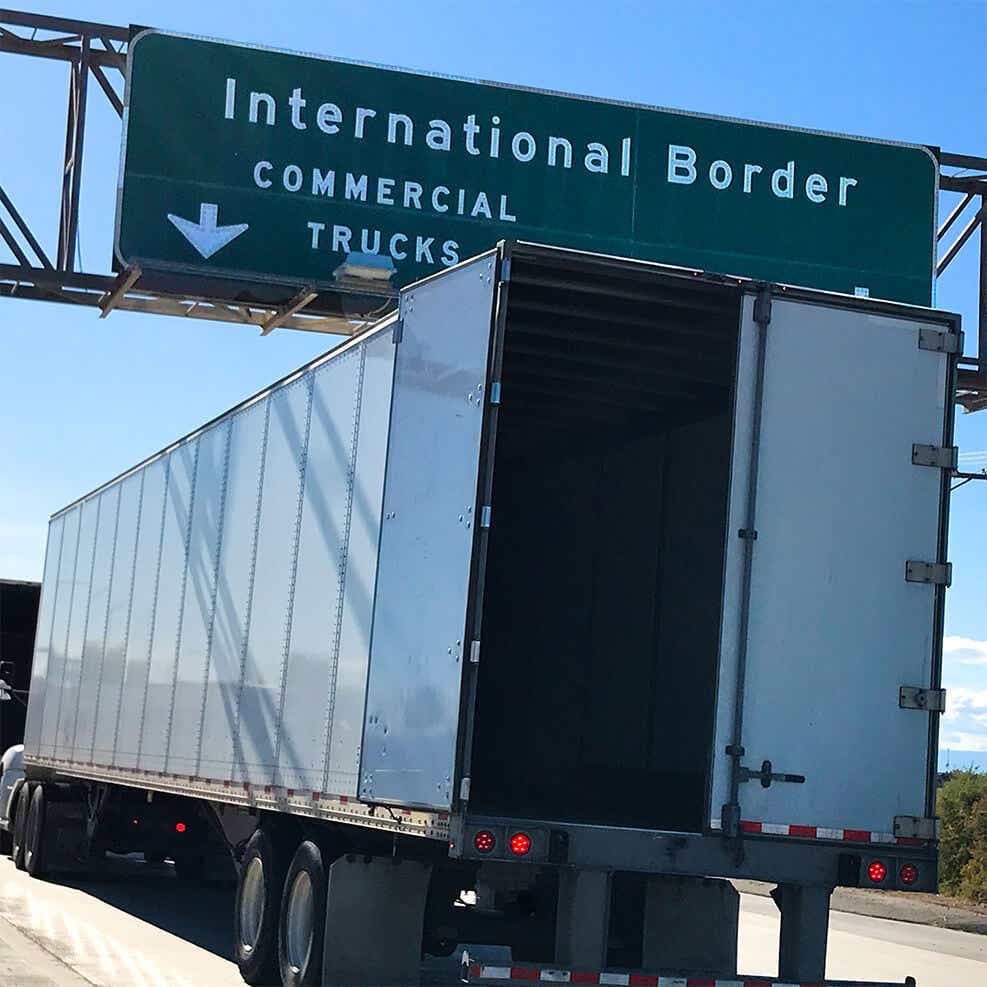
209 613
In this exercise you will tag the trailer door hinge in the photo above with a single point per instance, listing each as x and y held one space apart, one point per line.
762 306
505 269
730 820
937 573
765 776
916 828
495 392
397 332
940 342
942 457
931 700
464 789
485 513
475 653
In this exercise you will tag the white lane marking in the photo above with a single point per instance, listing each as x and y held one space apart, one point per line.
98 944
150 970
72 931
127 959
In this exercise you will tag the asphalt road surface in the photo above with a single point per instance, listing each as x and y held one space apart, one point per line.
139 927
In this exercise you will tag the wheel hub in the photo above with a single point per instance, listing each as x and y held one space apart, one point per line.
301 906
252 904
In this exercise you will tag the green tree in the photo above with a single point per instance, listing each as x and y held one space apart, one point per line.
955 803
973 883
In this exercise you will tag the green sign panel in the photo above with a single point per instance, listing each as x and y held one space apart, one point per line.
280 167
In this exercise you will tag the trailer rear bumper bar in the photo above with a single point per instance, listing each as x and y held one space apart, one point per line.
788 860
476 972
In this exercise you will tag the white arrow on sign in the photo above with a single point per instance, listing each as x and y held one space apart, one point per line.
205 235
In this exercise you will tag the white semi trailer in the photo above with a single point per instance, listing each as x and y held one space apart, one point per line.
581 584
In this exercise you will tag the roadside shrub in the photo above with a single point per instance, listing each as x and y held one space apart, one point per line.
964 831
973 878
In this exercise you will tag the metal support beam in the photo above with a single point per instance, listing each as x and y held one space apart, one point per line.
954 215
11 241
969 161
583 918
75 125
958 243
111 94
125 281
25 230
44 22
303 298
804 931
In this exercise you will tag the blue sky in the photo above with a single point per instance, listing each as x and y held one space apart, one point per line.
82 398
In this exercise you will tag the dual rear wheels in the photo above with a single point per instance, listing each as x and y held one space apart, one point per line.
279 915
20 825
27 842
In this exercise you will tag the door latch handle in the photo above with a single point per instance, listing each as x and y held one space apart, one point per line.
765 776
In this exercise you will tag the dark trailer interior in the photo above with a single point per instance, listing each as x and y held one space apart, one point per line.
18 619
605 562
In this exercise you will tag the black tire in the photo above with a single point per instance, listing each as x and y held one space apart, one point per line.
300 943
6 842
257 908
20 825
34 835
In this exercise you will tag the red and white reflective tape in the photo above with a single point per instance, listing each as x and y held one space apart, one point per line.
481 971
819 833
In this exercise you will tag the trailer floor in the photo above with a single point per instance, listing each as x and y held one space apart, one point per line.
139 926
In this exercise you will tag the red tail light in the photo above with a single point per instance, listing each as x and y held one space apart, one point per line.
908 874
520 844
180 827
877 872
484 841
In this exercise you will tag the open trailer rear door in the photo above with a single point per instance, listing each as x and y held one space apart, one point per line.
428 535
835 571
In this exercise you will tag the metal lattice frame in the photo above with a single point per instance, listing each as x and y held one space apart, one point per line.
100 51
955 176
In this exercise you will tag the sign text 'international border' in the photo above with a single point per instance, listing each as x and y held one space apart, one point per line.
279 167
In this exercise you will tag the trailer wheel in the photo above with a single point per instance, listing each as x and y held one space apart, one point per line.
303 918
258 907
34 834
20 825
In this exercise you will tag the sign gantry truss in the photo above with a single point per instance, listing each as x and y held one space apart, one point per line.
98 53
